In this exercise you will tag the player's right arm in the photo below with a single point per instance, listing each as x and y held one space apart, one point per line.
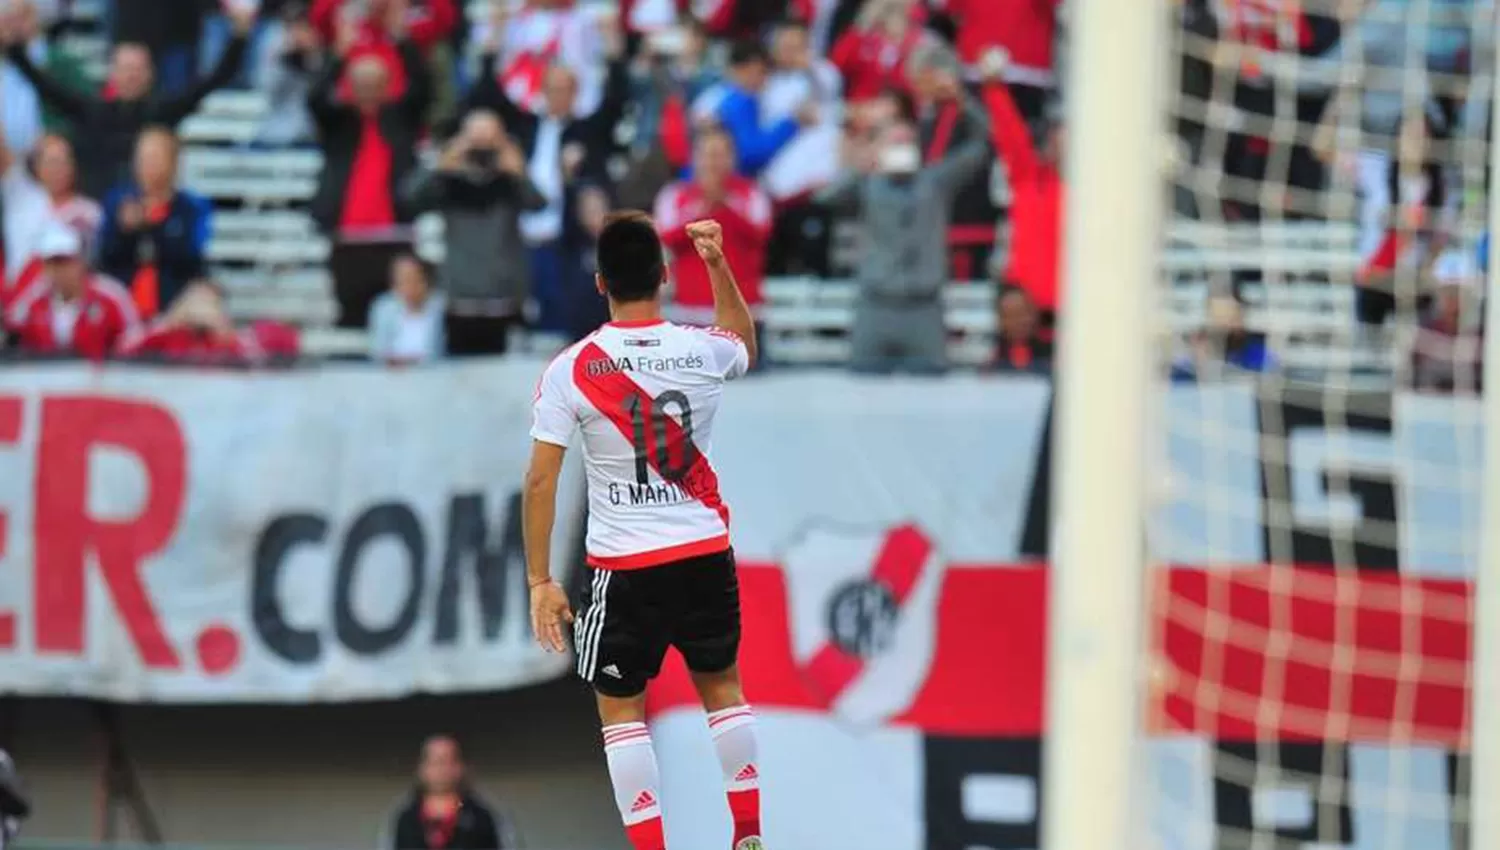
553 424
730 310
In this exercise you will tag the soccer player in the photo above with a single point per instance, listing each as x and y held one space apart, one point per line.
644 392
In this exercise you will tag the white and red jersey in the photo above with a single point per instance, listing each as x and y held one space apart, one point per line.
644 395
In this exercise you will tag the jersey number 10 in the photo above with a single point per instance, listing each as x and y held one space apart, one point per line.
650 423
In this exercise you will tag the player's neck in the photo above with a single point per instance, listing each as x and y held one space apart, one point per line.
635 312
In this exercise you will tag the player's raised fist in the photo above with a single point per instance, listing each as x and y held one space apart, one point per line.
708 239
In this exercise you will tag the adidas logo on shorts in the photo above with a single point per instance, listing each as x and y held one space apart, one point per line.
612 671
747 773
643 802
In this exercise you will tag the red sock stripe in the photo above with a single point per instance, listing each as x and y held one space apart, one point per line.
615 736
717 719
632 739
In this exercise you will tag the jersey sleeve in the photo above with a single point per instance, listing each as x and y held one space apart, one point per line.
553 415
727 353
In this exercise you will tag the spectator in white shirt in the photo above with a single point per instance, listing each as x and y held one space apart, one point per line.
38 191
406 323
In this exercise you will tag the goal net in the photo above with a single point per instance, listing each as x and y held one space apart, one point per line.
1313 527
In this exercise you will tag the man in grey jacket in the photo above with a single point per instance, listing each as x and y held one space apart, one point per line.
480 187
903 205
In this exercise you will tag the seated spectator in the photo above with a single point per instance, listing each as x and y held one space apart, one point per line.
154 234
481 188
548 33
1019 347
197 330
443 812
1037 197
369 140
406 324
872 54
375 28
741 208
111 120
38 193
559 147
903 206
735 105
586 306
1224 347
26 117
1447 353
70 309
289 64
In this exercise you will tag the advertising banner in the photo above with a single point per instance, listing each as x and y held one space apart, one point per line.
345 533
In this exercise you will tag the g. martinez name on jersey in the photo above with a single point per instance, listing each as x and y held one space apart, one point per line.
644 363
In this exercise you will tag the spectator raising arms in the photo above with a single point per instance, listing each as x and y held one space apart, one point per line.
406 323
111 120
154 234
71 310
23 115
374 32
1036 186
37 194
903 205
481 188
740 207
369 140
559 147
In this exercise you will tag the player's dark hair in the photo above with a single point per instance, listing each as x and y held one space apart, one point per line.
747 51
630 257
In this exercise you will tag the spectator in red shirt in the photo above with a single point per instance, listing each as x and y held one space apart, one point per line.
1025 29
426 24
369 145
1036 186
737 203
74 310
197 329
872 54
35 195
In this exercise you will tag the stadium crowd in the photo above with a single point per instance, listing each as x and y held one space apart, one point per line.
522 124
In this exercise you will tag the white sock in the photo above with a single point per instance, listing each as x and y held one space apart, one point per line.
632 771
733 731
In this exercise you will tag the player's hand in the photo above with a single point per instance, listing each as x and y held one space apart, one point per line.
708 239
549 611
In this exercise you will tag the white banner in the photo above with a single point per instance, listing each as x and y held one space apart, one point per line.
346 533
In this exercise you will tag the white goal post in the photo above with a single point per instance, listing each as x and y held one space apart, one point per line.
1114 173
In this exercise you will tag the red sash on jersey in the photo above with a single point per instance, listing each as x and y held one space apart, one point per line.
608 390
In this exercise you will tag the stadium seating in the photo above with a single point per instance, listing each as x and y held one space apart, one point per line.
271 258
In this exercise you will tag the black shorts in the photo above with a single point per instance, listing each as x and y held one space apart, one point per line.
628 618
